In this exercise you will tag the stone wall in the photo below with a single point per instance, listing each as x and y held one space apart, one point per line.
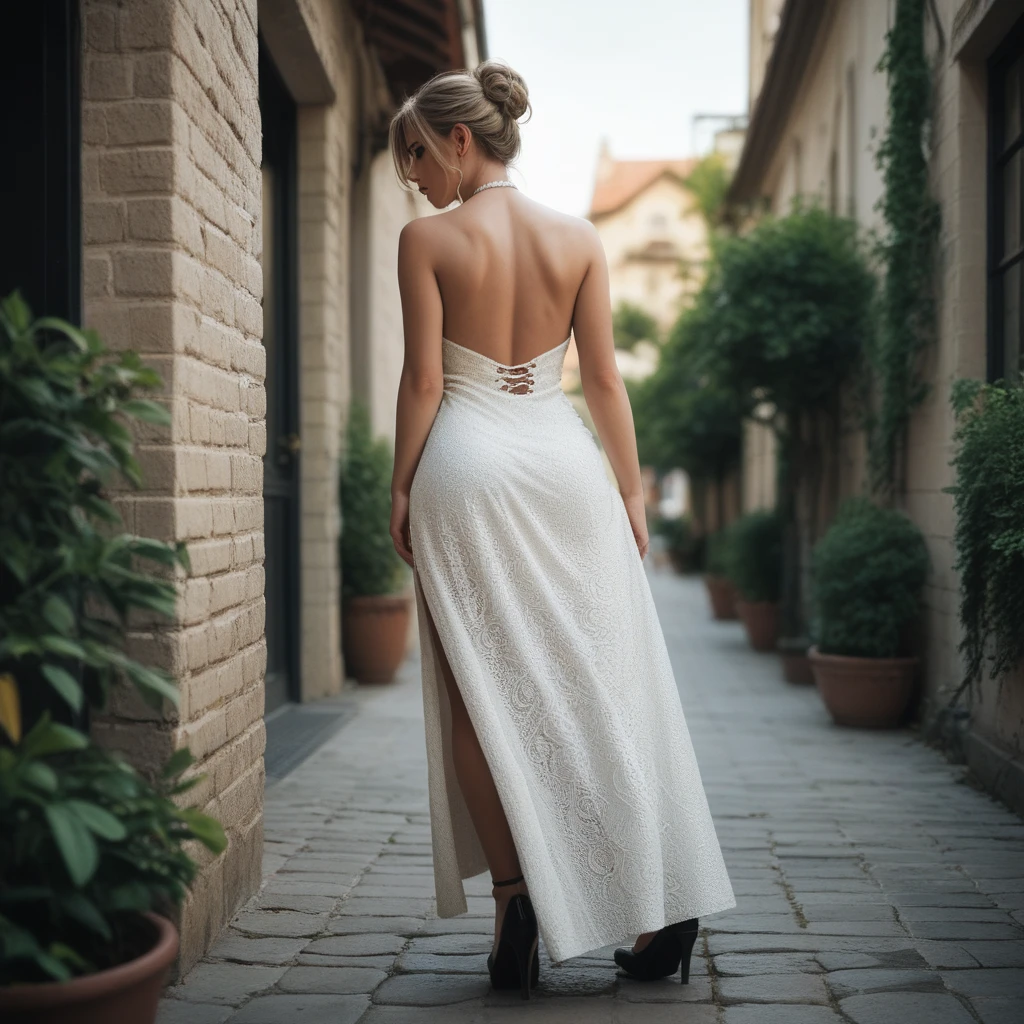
171 198
841 109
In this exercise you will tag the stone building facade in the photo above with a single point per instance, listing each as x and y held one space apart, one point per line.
815 120
233 216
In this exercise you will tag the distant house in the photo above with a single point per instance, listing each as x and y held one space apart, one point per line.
654 237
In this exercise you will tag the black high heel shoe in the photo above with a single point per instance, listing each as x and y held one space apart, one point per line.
516 963
670 948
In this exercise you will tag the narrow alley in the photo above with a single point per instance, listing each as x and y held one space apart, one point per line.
875 884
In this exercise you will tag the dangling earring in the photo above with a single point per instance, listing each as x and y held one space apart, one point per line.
459 186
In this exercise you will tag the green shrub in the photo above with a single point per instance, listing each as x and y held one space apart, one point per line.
67 580
685 549
868 571
87 844
718 553
369 562
989 534
754 555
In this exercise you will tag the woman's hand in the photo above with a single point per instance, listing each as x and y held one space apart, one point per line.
638 521
400 526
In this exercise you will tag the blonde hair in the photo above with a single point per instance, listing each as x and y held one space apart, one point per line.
489 100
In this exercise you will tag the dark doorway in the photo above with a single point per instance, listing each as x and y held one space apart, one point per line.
40 223
280 339
1006 210
40 200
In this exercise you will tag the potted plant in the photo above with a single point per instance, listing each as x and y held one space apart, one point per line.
92 854
375 614
868 572
683 548
720 588
755 567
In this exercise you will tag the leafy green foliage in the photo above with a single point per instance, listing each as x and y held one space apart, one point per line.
682 418
754 555
85 841
989 533
631 323
868 571
912 217
87 845
62 437
787 310
369 562
709 183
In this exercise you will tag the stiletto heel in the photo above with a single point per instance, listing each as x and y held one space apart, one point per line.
516 962
670 948
687 941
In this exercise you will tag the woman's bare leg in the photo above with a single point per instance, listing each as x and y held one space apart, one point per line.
480 793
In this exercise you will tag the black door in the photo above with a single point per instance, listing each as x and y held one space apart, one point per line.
40 215
281 462
40 204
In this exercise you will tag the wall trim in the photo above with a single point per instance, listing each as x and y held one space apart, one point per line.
997 770
290 44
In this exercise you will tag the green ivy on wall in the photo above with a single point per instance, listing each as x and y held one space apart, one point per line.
989 538
906 304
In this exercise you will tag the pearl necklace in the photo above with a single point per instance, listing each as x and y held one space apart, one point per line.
494 184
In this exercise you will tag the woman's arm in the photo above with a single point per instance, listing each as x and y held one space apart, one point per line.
603 388
422 382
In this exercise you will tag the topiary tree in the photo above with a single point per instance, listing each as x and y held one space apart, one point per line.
788 309
369 562
683 418
868 571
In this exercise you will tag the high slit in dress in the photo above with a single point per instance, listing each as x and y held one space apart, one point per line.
526 562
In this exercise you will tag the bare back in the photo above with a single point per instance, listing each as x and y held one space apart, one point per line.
509 272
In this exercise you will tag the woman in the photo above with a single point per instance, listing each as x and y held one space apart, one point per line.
558 755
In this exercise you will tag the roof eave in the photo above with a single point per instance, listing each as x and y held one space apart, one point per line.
680 178
799 28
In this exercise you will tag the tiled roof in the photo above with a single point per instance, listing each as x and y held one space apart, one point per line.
618 181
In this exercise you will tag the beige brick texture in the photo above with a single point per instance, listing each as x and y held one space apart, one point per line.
171 201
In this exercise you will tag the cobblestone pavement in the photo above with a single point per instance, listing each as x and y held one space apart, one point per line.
874 883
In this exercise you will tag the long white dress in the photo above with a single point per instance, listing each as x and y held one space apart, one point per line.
525 557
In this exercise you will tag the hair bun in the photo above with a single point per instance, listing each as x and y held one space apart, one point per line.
504 87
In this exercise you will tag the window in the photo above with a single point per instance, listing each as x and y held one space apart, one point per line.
1005 178
657 222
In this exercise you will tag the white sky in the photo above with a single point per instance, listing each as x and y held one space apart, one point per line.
634 72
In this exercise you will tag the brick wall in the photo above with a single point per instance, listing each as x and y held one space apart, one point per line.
171 199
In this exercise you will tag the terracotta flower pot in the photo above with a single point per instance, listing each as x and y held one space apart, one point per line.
872 693
761 620
722 595
375 631
796 666
128 993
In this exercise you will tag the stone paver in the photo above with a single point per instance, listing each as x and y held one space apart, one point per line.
875 884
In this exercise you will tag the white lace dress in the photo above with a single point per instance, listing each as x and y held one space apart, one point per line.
524 554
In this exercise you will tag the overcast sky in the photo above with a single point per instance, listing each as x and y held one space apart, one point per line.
634 72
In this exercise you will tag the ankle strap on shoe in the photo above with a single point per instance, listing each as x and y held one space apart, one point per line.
508 881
